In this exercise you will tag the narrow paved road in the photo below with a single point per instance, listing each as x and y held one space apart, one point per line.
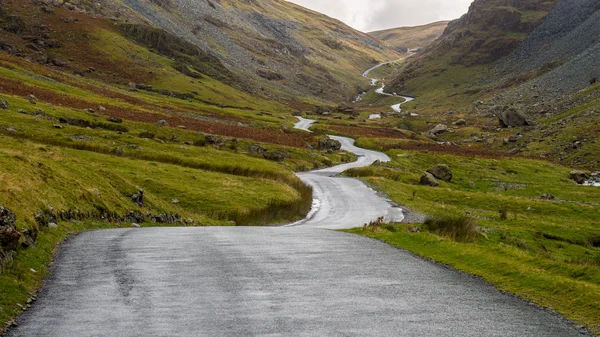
204 282
345 202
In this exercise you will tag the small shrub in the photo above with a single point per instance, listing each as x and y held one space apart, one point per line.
461 229
374 225
406 125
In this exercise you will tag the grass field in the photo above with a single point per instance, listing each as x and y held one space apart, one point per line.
546 251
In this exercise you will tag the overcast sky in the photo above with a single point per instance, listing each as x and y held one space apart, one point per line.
371 15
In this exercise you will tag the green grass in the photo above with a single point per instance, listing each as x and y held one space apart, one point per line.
545 251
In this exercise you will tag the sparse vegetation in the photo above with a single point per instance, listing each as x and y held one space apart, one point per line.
459 228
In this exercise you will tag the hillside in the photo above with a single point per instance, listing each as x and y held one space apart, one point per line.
279 49
411 37
529 57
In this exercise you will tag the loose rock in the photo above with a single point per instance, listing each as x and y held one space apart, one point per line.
438 130
579 177
441 172
427 179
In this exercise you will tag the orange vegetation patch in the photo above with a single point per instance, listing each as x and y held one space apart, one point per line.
467 151
357 131
259 135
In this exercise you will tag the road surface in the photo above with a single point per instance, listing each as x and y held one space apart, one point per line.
345 202
396 107
275 282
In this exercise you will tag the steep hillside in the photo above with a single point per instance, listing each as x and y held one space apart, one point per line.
411 37
278 48
530 58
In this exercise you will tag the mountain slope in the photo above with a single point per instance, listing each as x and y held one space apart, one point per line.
277 47
411 37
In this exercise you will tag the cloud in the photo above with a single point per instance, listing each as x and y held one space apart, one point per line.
370 15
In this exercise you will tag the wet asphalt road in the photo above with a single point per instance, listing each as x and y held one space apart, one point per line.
345 202
265 282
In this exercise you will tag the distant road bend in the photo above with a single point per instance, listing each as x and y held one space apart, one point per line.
297 281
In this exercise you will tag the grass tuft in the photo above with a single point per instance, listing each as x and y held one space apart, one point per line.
460 229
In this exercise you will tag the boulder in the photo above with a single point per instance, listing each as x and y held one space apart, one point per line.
326 143
441 172
438 130
4 105
276 155
547 196
428 180
29 237
509 117
114 120
162 122
579 177
213 140
460 122
138 198
257 149
9 235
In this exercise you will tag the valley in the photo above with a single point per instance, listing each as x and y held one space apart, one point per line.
468 149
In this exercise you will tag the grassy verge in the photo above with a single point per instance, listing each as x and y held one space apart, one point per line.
542 249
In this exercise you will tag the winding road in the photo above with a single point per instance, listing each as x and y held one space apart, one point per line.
299 280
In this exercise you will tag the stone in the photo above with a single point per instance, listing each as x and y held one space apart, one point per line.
52 225
114 120
460 122
9 236
135 225
427 179
441 172
89 110
143 86
213 140
118 151
162 122
438 130
29 237
101 108
510 117
138 198
548 196
175 201
276 155
579 177
256 149
4 105
58 126
326 143
11 131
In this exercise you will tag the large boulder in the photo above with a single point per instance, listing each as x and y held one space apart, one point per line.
441 172
438 130
579 177
427 179
9 235
509 117
326 143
